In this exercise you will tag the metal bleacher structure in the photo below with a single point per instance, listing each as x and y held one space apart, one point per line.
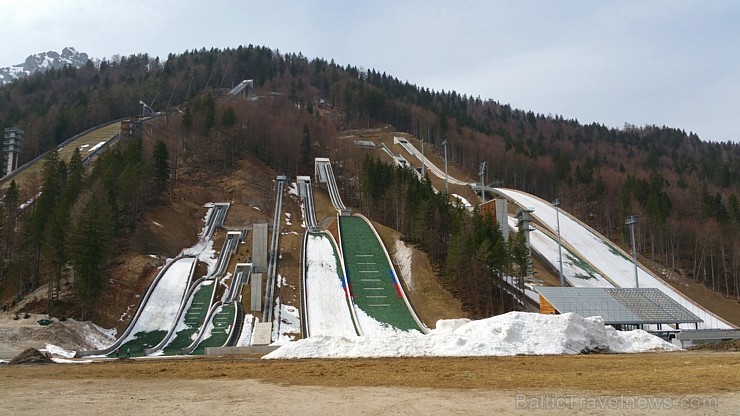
618 307
373 283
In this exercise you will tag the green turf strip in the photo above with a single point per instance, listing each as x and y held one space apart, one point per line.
370 275
194 317
221 329
141 341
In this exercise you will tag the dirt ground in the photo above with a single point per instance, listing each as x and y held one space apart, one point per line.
677 383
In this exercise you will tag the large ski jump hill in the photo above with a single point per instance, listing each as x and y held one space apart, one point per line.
589 259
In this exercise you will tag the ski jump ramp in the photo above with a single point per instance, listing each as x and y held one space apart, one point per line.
608 259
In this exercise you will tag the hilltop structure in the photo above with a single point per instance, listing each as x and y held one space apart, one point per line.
12 140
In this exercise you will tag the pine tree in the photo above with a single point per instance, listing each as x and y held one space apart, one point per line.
228 119
43 211
10 202
90 248
187 119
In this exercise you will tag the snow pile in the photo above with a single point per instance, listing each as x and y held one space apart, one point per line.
635 341
58 351
70 334
514 333
450 325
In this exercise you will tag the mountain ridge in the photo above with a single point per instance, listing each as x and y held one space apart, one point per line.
43 61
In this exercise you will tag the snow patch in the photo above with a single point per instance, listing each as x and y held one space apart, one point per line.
96 147
245 339
287 323
55 350
514 333
67 361
463 201
404 256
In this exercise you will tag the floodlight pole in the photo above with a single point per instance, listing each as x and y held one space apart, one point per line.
422 157
482 172
556 203
631 221
447 189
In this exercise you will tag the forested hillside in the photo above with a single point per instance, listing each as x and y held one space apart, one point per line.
685 190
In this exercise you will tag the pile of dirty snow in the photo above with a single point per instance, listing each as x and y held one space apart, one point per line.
70 334
514 333
30 356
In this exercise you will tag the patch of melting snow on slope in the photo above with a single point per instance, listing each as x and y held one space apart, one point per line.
96 147
245 339
371 326
514 333
287 218
404 256
463 201
287 323
286 318
96 336
205 252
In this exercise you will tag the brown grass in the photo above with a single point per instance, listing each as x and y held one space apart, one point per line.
654 373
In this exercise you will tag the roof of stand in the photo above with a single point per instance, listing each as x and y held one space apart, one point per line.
627 306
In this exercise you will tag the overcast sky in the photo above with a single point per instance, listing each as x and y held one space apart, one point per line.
663 62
